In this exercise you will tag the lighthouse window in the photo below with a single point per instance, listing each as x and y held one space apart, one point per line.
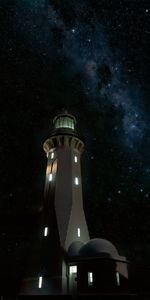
90 278
76 180
45 231
52 155
72 270
118 278
50 177
64 122
40 282
75 159
79 232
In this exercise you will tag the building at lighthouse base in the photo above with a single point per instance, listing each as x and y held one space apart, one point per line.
99 268
90 268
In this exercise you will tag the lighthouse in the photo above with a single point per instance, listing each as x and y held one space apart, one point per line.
64 222
65 260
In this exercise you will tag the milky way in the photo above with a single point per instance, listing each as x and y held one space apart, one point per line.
90 56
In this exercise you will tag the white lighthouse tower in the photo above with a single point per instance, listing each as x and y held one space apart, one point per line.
64 218
63 185
65 260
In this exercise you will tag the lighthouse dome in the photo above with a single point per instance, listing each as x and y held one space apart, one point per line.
64 120
98 247
74 248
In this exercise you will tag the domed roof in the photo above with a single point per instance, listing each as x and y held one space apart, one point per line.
75 248
99 247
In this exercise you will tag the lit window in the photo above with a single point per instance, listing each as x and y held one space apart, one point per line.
52 155
40 282
50 177
118 278
75 159
45 231
79 232
64 122
72 270
90 278
76 180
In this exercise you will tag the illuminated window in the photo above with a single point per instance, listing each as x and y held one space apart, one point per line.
118 278
75 159
40 282
52 155
45 231
50 177
76 180
90 278
72 270
79 232
64 122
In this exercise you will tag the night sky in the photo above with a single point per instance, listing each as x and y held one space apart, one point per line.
91 58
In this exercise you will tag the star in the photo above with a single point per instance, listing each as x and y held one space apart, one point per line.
130 169
73 30
109 199
146 10
141 190
119 191
116 128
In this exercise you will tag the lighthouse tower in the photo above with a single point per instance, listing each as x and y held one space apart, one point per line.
63 187
65 260
63 225
64 218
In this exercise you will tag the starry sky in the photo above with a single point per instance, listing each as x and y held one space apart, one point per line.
91 58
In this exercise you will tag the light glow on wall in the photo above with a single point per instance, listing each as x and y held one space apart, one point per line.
75 159
90 278
52 155
79 232
72 270
40 282
76 181
45 231
50 177
118 278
